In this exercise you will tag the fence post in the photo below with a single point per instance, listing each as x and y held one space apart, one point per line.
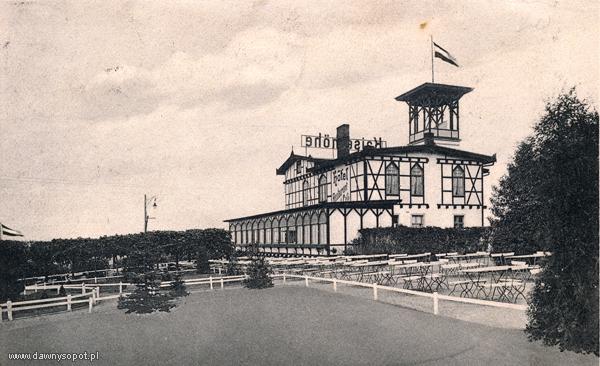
435 304
334 285
211 282
98 292
306 280
219 271
95 280
375 292
120 287
284 278
9 309
35 287
90 304
222 284
83 288
69 302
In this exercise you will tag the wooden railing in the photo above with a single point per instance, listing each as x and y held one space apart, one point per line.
376 288
91 293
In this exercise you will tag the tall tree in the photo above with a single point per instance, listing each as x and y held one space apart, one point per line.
549 200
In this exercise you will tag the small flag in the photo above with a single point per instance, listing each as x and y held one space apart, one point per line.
444 55
5 230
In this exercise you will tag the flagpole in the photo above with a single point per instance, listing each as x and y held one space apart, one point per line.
431 39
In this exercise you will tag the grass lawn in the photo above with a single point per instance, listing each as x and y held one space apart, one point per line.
278 326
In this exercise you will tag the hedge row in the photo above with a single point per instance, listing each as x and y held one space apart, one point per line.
402 239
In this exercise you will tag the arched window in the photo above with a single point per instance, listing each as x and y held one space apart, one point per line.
323 228
275 231
299 230
305 193
323 189
283 230
254 232
392 180
291 230
261 232
307 229
268 232
416 180
243 238
314 229
458 181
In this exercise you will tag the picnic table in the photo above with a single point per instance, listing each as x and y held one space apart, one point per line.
508 282
414 256
414 275
370 272
532 258
369 256
468 257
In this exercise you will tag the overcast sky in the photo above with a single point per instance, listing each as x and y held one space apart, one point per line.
199 102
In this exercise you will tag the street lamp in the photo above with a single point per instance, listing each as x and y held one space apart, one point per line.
148 202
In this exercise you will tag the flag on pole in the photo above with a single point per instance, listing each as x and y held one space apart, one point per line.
5 230
441 53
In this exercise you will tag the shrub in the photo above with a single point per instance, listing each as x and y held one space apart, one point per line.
259 274
147 297
178 288
410 240
232 268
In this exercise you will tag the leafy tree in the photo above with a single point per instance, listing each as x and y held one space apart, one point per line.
202 265
259 274
548 200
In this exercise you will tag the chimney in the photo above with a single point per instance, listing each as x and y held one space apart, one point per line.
343 141
428 138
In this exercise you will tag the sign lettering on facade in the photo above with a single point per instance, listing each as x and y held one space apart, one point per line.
340 191
321 141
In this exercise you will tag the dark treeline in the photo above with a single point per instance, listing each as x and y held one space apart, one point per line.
412 240
20 259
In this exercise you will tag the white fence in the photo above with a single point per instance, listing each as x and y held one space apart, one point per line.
91 293
376 288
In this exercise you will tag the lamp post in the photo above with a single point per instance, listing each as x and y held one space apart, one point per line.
147 202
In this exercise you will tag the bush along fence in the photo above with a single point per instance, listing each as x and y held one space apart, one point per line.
90 294
411 240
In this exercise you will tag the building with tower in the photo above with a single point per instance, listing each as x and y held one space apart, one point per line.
428 182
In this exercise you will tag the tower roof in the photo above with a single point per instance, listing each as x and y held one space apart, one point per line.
433 95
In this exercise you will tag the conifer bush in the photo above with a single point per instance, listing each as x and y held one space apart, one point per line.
147 297
259 274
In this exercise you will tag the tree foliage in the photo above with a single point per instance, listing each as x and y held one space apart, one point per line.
548 200
139 253
259 274
10 286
